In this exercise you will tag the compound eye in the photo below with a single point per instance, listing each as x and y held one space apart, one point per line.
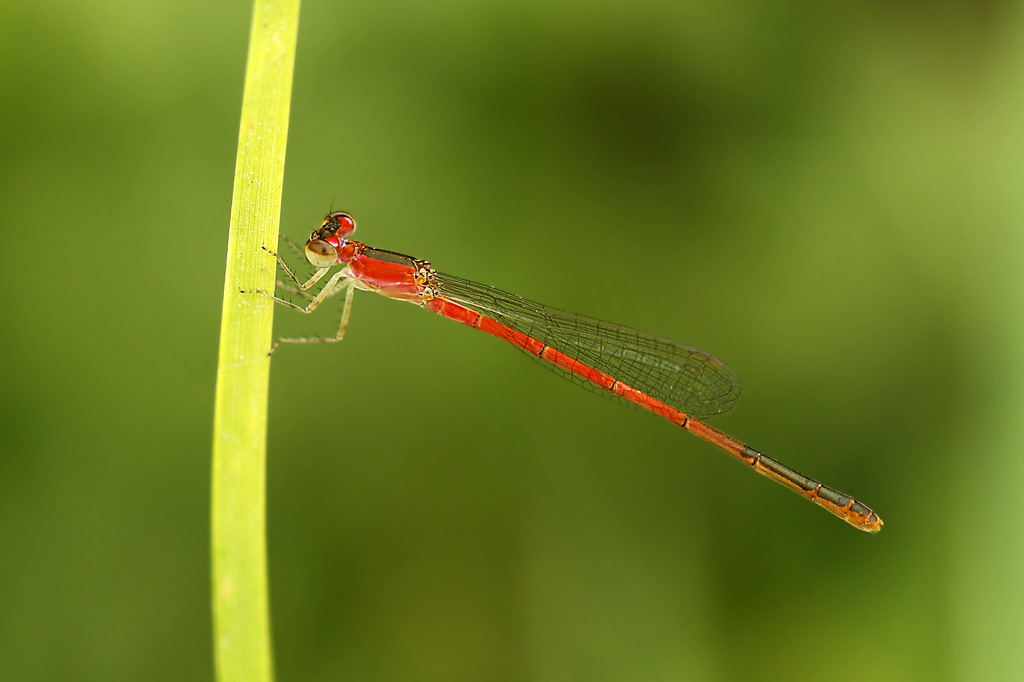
339 223
320 254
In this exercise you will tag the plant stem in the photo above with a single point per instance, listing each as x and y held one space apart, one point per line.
241 623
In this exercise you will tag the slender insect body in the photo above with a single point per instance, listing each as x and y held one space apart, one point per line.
667 378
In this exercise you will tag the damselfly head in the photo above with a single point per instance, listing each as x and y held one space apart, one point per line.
325 242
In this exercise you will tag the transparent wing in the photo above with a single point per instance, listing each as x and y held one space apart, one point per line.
676 374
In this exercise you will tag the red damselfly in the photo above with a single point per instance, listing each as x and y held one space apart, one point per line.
668 378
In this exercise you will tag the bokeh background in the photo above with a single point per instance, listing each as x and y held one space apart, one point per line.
826 195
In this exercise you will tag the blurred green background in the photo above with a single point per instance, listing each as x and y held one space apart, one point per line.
828 196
